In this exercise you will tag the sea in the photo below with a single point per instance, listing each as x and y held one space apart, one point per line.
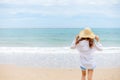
50 47
53 37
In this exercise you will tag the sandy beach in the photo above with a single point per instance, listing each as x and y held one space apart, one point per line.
13 72
25 63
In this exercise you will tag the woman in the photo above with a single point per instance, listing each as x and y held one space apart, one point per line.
86 46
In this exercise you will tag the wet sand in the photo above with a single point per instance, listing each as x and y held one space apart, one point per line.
13 72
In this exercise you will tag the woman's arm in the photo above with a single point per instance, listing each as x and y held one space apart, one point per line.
73 45
98 45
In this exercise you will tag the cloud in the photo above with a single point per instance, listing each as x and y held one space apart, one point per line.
67 11
60 2
25 13
67 8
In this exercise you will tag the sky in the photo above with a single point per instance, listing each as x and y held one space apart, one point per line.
59 13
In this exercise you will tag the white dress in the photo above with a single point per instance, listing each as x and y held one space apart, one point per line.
86 53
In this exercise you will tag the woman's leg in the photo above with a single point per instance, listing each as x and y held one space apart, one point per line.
90 74
83 75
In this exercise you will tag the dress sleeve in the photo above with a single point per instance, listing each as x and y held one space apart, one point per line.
98 46
73 46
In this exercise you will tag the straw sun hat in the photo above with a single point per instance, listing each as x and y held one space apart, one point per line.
86 33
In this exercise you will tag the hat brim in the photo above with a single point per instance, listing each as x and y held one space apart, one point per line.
92 36
82 35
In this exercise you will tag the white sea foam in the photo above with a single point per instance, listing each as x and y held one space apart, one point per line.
62 57
52 50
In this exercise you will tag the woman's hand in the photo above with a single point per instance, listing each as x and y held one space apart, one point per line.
97 38
77 37
77 40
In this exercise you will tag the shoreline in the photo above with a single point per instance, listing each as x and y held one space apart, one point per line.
13 72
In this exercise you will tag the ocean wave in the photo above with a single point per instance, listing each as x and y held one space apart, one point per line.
55 50
58 57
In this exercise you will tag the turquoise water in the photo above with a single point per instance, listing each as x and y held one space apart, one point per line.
54 37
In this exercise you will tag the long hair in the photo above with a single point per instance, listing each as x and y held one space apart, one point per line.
91 41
